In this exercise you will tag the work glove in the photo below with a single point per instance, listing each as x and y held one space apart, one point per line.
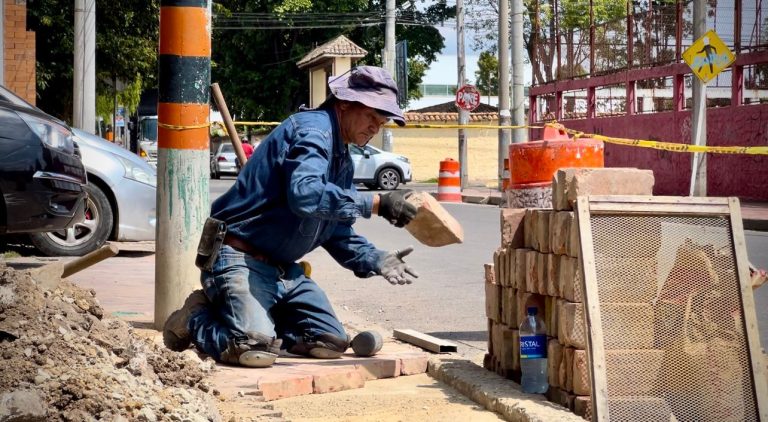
396 209
394 269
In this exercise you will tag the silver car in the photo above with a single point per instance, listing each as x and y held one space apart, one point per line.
224 161
121 200
378 169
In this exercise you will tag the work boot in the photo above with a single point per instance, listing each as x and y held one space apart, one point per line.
253 350
176 335
321 346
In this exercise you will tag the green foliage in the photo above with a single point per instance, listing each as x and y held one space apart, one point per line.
126 49
256 68
487 74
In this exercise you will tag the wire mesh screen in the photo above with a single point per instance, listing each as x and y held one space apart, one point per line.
672 319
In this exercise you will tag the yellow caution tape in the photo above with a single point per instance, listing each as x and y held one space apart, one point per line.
672 146
257 123
176 127
427 126
414 126
666 146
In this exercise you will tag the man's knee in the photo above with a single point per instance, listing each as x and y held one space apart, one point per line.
321 346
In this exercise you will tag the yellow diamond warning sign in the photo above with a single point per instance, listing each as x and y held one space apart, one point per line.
708 56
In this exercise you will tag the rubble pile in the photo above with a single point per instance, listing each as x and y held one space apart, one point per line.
62 359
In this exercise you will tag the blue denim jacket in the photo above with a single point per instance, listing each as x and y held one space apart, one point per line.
295 193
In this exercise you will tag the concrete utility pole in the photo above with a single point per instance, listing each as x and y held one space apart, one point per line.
504 114
388 59
462 80
84 78
518 93
699 112
182 163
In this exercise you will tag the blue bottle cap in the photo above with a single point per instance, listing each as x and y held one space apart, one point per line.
532 310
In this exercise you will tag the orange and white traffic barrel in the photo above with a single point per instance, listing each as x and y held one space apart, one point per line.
533 164
449 182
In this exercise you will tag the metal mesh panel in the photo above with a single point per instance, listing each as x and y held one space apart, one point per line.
672 321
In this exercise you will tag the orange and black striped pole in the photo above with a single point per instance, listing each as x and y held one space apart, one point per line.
182 166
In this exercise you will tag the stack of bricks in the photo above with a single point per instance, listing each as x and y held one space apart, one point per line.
538 265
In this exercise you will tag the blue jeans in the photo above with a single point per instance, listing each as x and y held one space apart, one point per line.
248 295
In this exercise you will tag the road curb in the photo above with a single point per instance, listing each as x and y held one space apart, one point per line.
495 393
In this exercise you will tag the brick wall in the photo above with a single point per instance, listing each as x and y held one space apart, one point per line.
19 53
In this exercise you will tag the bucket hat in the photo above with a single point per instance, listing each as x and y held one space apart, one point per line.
371 86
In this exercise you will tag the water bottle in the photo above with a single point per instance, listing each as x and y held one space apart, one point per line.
533 353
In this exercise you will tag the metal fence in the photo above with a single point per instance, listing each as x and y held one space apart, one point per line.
576 38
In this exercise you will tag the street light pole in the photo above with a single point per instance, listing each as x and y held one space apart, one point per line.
699 112
462 80
388 59
504 114
84 70
518 93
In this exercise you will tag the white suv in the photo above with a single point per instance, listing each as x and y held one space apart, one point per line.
378 169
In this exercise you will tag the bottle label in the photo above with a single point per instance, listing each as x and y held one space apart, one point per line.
533 347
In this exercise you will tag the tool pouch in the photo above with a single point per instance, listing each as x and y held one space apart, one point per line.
210 243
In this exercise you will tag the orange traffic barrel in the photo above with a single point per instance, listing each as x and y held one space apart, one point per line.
449 182
532 165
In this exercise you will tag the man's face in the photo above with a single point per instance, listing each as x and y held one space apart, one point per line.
359 123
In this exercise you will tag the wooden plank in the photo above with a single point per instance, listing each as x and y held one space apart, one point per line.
658 209
645 199
642 204
748 302
425 341
595 347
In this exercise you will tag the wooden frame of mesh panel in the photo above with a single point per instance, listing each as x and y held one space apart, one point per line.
676 212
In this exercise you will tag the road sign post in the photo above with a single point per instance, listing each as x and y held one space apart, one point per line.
707 57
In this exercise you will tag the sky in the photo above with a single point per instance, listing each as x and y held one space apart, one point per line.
444 69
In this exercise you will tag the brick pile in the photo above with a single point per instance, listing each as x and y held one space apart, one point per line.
538 265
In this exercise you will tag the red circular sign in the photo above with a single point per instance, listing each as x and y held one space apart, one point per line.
468 97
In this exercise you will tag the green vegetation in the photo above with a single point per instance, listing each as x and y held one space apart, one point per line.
126 52
255 47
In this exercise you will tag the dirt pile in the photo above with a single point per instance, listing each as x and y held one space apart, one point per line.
62 359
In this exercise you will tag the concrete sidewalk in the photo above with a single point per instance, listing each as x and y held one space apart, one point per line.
124 286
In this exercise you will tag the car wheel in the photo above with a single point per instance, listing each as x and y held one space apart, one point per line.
84 237
388 179
215 172
371 186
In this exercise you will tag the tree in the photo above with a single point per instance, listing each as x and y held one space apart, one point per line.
257 66
126 48
539 36
487 74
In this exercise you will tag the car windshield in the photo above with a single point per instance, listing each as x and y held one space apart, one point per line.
227 148
149 129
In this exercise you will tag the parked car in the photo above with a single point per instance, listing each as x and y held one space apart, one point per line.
121 200
42 178
224 160
377 169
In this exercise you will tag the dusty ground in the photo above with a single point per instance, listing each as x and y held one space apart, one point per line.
425 148
62 359
412 398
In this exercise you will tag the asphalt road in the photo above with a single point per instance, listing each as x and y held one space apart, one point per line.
447 301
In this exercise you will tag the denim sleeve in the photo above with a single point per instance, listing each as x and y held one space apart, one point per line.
354 252
310 191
